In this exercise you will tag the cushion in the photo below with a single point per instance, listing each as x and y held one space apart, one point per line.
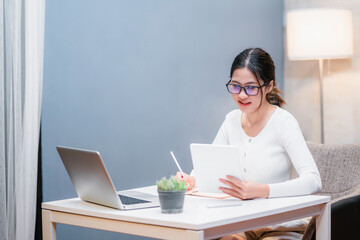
339 167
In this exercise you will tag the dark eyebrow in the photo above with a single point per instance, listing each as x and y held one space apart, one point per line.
244 84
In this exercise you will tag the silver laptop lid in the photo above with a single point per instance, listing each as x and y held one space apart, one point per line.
89 176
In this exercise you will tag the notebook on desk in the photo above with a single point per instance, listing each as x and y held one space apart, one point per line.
92 182
212 162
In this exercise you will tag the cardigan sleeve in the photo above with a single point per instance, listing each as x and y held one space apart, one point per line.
292 140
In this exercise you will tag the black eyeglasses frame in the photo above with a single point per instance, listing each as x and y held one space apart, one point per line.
258 88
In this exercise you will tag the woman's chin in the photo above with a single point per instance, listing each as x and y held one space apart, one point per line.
246 108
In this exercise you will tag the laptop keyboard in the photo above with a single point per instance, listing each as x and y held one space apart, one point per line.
130 200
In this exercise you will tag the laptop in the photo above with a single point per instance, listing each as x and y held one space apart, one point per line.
93 183
212 162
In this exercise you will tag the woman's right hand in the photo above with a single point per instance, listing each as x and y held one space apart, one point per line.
190 180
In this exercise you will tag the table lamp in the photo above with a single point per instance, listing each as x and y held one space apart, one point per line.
318 34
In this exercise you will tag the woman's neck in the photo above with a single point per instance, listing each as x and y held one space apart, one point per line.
259 116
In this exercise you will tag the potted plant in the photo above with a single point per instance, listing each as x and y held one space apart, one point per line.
171 194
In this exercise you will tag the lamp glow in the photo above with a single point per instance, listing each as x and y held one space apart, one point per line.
319 34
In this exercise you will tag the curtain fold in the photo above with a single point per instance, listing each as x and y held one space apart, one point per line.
21 73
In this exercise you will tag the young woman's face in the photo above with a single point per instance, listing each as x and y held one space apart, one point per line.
247 103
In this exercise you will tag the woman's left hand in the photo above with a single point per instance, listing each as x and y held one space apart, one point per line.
244 189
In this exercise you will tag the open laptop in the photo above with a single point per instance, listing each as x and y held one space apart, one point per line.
93 184
212 162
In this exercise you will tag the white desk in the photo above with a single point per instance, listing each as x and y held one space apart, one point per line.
196 222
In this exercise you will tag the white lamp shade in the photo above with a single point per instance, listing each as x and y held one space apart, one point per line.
319 34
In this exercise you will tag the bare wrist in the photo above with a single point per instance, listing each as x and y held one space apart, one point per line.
266 191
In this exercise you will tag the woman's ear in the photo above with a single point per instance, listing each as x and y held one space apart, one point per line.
270 86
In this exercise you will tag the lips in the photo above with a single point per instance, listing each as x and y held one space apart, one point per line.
244 103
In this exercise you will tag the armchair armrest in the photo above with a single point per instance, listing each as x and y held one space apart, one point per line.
344 220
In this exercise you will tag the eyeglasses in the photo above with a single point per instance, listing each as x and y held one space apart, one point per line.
249 90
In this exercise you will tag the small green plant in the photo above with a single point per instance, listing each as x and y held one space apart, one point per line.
171 184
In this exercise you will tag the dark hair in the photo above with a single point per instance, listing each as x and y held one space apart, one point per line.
262 66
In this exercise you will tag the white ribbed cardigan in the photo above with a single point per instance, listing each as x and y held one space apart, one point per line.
272 156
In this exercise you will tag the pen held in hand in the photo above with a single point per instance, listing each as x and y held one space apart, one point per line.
177 164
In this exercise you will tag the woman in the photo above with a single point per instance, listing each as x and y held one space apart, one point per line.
277 162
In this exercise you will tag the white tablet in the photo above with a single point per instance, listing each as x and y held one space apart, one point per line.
212 162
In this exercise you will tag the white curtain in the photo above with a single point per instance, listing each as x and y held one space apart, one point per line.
21 73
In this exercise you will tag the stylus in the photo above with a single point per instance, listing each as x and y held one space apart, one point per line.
177 164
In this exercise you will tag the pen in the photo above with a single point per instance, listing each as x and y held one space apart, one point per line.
234 204
177 164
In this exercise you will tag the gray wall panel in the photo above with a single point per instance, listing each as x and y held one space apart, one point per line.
136 79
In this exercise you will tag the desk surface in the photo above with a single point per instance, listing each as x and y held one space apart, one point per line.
196 214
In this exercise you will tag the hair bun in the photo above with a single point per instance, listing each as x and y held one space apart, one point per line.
274 98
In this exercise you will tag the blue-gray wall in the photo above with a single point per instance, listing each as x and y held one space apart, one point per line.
136 79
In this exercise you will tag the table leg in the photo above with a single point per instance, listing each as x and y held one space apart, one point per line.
48 227
323 223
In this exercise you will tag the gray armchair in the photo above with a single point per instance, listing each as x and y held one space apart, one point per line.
339 167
